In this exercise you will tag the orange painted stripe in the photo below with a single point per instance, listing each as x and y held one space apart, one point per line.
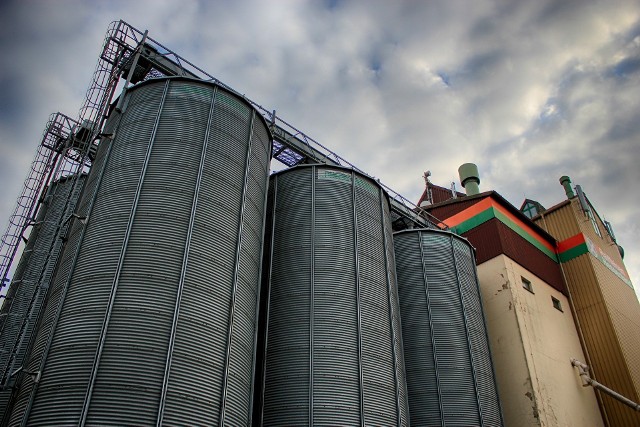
571 242
487 203
524 226
470 212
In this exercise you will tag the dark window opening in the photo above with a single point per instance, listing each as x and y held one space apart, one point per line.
556 304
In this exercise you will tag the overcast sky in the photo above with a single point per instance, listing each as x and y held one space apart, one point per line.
527 90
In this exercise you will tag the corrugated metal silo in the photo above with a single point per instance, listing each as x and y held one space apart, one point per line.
31 279
450 376
333 341
152 315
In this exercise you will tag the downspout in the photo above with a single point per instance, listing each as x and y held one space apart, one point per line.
574 314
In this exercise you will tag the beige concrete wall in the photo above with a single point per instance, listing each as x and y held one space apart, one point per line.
532 344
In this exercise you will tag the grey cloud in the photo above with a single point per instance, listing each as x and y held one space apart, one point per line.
528 90
626 67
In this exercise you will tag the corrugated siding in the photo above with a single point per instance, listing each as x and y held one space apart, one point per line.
287 364
27 389
161 304
606 357
561 223
531 258
485 381
608 313
31 281
621 300
258 396
403 397
419 350
438 194
330 357
336 333
486 239
449 370
624 313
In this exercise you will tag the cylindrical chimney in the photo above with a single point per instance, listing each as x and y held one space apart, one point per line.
469 178
565 181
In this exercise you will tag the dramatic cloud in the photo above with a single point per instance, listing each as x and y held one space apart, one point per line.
528 90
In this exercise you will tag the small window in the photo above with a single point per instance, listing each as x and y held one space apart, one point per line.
527 284
530 210
594 223
556 304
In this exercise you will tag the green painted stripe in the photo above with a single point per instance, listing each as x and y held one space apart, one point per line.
574 252
474 221
490 213
525 235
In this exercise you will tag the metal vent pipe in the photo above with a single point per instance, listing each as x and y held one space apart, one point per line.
469 178
565 181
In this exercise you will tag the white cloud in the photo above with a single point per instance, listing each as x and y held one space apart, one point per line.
527 90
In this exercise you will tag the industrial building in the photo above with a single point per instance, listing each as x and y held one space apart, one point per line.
160 275
606 307
554 291
168 279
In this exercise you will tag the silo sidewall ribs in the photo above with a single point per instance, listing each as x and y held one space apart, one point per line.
333 347
155 314
30 283
450 376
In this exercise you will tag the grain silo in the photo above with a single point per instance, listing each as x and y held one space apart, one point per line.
450 378
152 313
31 280
333 342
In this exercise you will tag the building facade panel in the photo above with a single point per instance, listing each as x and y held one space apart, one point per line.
530 257
532 343
606 359
560 223
493 238
623 311
607 309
